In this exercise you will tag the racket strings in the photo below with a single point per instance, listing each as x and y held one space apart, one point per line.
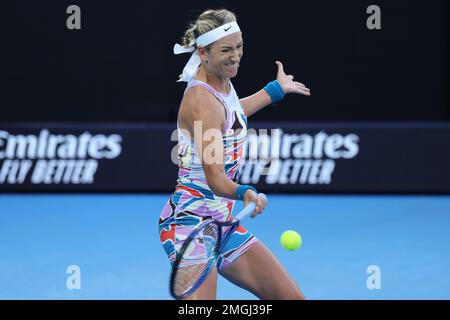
184 282
197 260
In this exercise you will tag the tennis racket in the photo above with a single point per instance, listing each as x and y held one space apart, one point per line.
199 253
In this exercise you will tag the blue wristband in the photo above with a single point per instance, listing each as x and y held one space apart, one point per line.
241 190
275 91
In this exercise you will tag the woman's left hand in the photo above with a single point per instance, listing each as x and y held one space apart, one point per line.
288 84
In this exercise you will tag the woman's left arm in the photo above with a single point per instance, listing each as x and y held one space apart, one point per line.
261 99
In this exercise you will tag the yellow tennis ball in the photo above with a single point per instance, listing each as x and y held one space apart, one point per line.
291 240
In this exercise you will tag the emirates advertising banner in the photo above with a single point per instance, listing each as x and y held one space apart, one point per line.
86 157
278 157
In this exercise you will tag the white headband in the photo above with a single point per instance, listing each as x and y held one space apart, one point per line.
202 41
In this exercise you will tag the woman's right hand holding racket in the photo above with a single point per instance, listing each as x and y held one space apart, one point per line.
260 201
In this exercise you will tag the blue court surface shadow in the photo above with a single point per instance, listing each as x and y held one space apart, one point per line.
114 241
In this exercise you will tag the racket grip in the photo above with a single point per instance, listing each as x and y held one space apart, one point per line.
248 209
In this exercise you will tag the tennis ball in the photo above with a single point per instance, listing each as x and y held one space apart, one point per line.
291 240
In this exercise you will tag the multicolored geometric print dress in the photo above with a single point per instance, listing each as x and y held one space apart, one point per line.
193 201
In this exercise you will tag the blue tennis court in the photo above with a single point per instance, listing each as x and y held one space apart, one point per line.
114 241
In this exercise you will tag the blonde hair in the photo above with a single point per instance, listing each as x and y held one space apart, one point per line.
207 21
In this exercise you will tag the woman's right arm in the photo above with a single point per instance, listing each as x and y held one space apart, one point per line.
205 117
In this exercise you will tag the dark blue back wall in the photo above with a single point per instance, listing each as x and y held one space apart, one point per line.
120 66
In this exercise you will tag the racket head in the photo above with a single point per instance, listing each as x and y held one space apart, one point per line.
196 258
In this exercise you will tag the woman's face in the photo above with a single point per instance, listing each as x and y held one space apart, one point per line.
224 56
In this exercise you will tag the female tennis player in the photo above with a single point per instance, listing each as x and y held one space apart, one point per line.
212 128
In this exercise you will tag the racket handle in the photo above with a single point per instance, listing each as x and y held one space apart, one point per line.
248 209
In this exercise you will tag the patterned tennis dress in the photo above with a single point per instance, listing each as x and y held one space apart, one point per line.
192 202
